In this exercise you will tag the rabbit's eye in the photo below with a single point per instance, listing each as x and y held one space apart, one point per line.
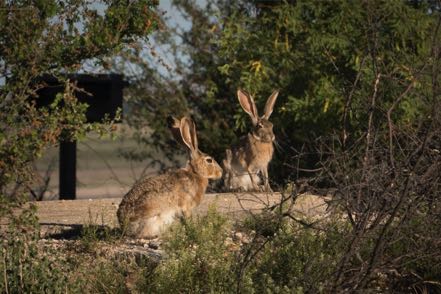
259 126
209 160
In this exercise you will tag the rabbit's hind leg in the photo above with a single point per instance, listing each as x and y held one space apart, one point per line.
153 226
254 181
267 187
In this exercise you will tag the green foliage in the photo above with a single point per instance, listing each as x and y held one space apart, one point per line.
289 257
50 37
24 268
314 51
323 56
93 234
104 276
417 252
202 254
200 257
283 256
25 272
197 258
38 38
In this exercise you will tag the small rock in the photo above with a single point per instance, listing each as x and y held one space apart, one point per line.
244 239
228 241
238 236
154 244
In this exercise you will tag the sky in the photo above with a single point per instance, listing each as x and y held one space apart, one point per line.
173 19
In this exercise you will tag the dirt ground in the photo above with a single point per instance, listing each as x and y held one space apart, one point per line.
62 221
104 176
103 211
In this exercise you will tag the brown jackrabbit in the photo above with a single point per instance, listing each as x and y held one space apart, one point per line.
254 151
155 202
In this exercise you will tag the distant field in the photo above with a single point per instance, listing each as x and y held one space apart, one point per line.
101 171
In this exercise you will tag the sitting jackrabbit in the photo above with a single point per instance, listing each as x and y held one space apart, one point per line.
254 151
155 202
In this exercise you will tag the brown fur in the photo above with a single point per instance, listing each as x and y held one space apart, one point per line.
253 153
148 197
154 202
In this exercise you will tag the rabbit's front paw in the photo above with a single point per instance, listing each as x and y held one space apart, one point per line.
266 188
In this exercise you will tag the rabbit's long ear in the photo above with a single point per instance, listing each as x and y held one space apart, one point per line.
174 125
194 137
269 106
186 127
247 103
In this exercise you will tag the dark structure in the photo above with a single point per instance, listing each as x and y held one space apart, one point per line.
103 94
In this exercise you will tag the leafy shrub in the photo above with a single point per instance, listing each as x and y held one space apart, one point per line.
283 257
197 258
24 267
318 53
104 275
38 38
289 257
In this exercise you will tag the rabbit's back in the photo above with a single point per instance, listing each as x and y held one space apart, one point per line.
163 197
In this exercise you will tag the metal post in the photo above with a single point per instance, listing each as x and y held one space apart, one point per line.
68 166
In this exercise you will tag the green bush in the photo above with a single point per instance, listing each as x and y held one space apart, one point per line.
55 38
415 255
26 269
200 256
203 254
320 55
294 258
197 258
105 276
26 266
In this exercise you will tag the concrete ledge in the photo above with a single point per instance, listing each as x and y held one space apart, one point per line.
103 211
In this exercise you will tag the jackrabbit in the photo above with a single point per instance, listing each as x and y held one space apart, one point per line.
254 151
155 202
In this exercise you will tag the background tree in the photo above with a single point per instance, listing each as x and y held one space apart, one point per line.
359 105
48 37
314 52
357 111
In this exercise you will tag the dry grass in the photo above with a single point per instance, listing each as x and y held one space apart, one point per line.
102 172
